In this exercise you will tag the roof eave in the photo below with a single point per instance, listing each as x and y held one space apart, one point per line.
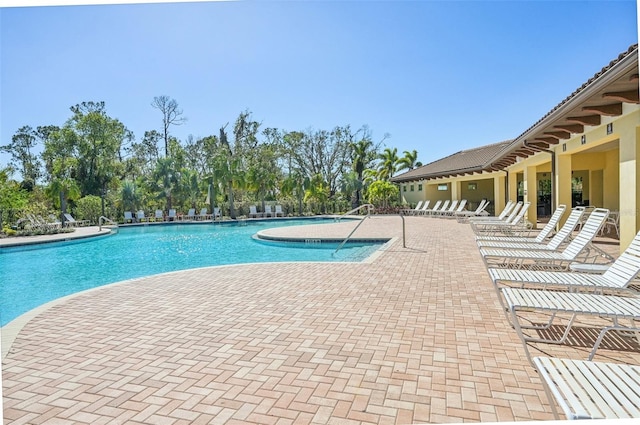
616 70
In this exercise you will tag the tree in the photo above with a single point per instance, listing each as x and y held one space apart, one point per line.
130 196
321 152
230 162
382 193
89 208
191 186
13 198
142 155
21 150
295 185
262 171
61 190
352 187
165 179
171 115
317 191
409 161
59 153
97 142
362 155
388 160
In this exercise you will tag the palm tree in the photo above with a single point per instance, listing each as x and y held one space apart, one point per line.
295 185
61 190
262 173
351 185
361 156
165 178
317 191
129 195
191 185
409 161
388 160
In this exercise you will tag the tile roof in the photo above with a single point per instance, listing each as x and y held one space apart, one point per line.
500 155
465 161
592 88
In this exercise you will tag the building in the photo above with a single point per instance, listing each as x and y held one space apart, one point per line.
585 151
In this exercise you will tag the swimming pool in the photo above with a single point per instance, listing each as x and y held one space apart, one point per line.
31 277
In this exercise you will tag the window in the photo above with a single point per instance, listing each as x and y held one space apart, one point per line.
472 186
404 188
443 187
411 188
420 188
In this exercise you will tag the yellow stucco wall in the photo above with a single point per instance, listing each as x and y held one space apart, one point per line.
607 160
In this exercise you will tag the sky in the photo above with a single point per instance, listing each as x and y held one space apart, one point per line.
435 76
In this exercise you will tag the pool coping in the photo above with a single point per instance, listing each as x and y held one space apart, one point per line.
84 232
79 234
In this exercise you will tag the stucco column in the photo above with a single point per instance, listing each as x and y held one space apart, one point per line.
456 189
499 191
531 194
629 185
513 186
563 183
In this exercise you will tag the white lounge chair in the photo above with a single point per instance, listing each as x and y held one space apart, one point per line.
279 211
435 210
449 210
191 214
489 226
203 215
253 212
128 217
575 251
479 211
267 211
453 214
616 278
172 215
411 211
216 213
426 210
503 215
159 216
613 223
141 217
69 221
536 243
519 301
590 390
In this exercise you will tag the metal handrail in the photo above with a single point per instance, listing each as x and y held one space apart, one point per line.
103 219
370 208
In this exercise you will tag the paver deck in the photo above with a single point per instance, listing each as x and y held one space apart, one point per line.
414 336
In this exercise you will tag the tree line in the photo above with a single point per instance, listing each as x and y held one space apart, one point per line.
93 165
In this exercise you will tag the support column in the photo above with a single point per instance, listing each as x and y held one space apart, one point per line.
629 185
455 190
531 194
563 183
596 190
513 186
499 192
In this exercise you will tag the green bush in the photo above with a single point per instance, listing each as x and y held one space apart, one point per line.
8 231
88 208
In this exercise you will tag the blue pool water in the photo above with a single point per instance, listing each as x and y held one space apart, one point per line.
32 277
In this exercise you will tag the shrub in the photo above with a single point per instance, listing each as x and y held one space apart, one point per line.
88 208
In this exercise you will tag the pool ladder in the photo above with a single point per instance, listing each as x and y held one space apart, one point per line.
369 208
104 219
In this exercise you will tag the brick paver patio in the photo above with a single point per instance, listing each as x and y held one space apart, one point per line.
414 336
